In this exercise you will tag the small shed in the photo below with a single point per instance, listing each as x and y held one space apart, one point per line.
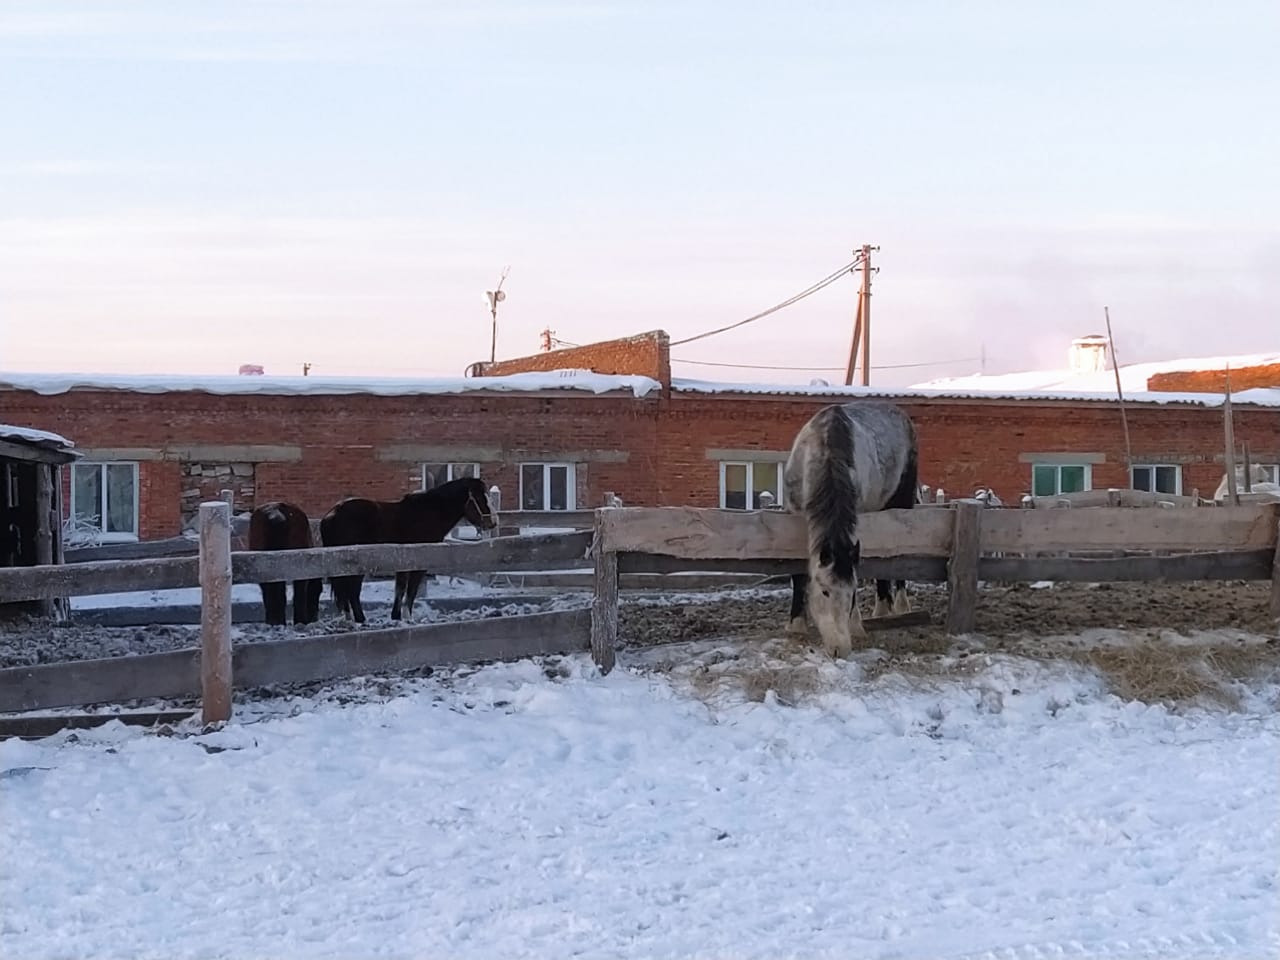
31 463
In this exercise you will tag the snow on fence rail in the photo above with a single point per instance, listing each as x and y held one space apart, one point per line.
960 546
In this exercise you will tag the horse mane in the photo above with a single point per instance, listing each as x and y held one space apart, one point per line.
832 505
443 493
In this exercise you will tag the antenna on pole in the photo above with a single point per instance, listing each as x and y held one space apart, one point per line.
493 298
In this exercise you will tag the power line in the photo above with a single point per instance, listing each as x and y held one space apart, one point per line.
808 291
765 366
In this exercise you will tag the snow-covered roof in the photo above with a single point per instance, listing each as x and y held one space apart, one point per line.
1257 396
580 380
1133 377
42 438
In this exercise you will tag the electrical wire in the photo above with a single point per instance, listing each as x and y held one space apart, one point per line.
808 291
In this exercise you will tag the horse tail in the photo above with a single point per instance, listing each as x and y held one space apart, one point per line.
832 504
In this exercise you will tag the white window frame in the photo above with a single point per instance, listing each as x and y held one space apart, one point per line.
102 535
1273 469
570 490
1057 467
451 473
751 494
1177 473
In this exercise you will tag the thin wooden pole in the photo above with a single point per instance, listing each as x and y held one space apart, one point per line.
604 606
962 568
1228 428
864 301
853 349
45 525
1124 417
215 611
1275 580
1248 468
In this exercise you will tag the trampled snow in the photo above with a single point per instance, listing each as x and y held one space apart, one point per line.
517 811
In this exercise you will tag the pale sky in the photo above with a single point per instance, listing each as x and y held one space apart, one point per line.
188 186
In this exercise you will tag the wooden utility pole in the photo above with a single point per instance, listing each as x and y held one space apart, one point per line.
1124 418
866 315
862 323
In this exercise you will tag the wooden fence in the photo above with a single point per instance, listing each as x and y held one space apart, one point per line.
961 546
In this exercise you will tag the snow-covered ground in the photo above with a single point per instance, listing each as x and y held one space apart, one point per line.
518 810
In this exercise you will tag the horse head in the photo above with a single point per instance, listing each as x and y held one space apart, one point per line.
476 508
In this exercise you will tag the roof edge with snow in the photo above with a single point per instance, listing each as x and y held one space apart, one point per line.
49 384
1257 396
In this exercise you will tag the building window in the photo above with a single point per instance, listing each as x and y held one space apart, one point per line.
1272 471
742 483
434 474
104 497
547 486
1052 479
1158 478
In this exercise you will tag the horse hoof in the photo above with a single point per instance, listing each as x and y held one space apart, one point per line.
882 608
901 603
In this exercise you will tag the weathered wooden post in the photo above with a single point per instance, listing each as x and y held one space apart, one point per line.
604 605
1275 579
962 567
215 611
46 524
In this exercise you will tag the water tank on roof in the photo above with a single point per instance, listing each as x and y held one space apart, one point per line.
1088 354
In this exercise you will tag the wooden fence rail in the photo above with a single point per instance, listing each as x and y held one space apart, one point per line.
107 576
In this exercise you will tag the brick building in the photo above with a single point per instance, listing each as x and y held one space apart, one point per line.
559 429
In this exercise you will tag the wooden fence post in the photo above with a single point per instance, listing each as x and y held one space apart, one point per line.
604 605
215 611
46 525
962 568
1275 579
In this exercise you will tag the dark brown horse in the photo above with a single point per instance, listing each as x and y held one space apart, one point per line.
283 526
426 516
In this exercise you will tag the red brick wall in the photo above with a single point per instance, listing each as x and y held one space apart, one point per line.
340 438
1215 381
967 444
964 444
646 355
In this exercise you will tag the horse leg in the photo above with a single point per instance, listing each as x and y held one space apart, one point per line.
273 603
306 600
901 600
798 626
904 498
314 589
357 611
884 599
413 582
400 588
